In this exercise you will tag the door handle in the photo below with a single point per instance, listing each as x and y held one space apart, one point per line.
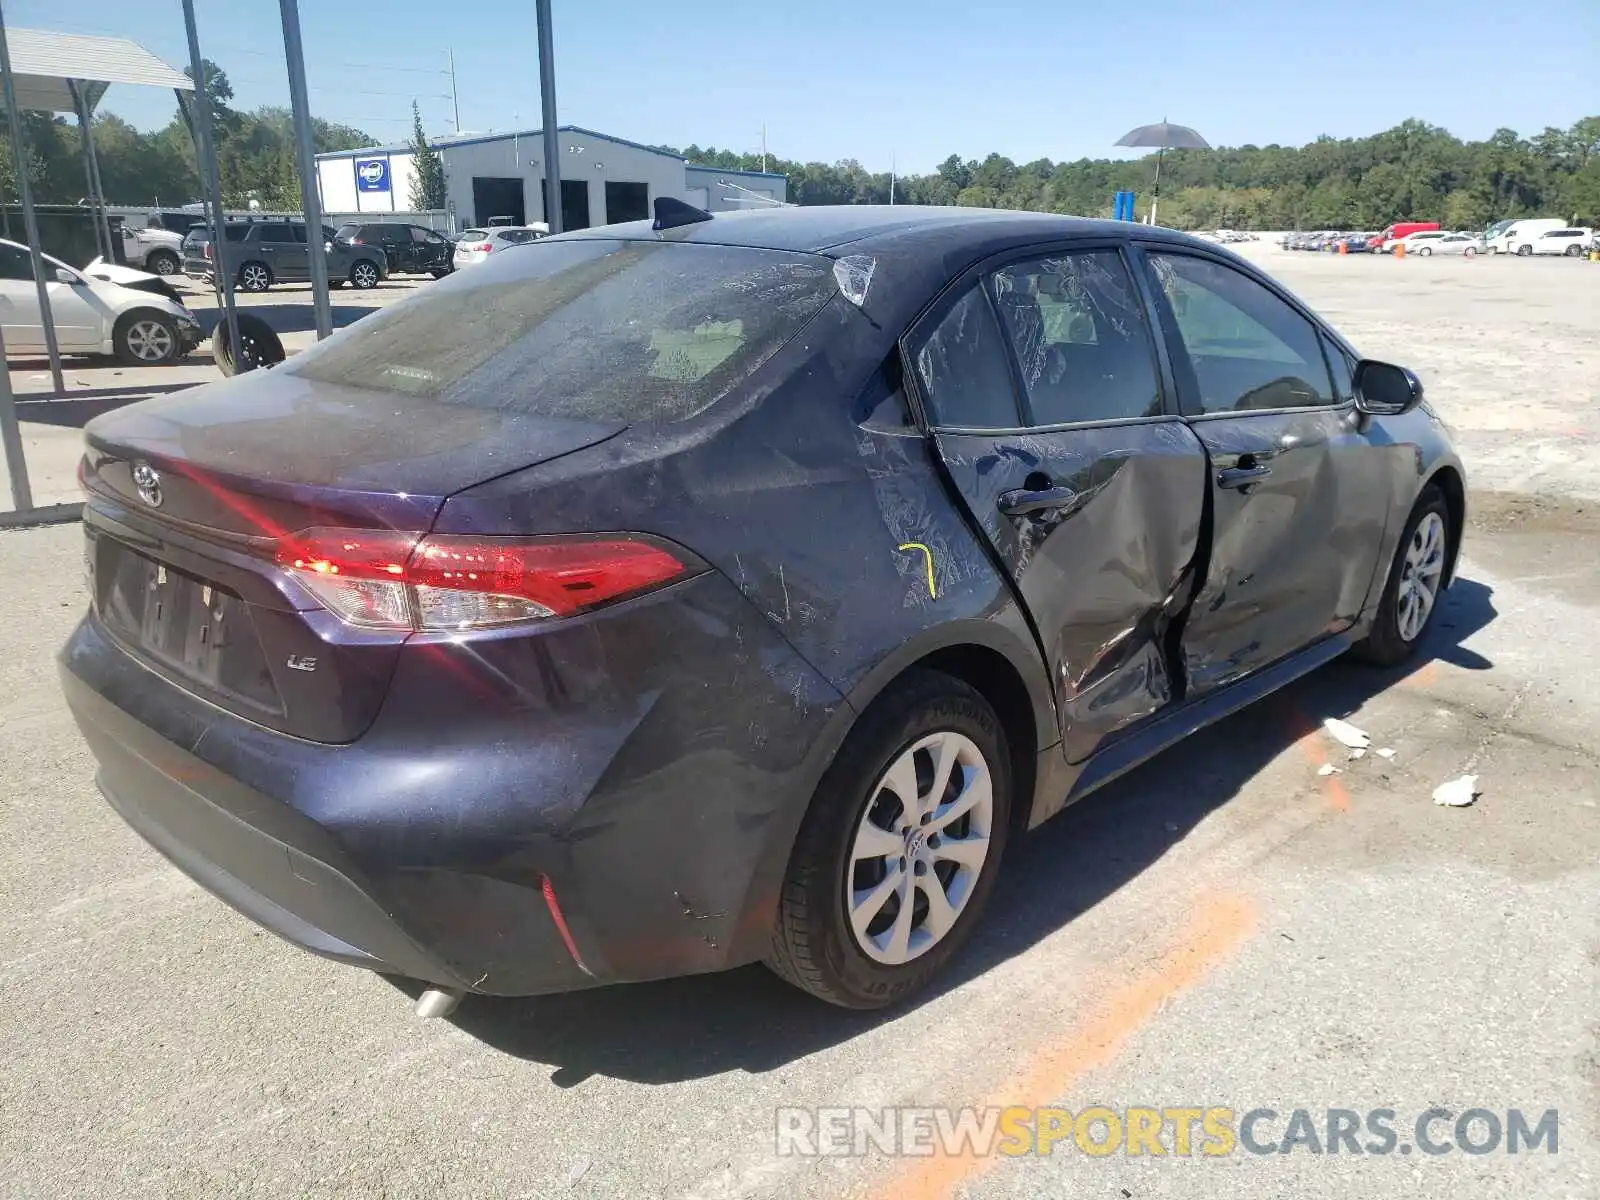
1243 478
1024 502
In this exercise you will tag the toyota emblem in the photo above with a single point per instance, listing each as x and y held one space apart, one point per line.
148 482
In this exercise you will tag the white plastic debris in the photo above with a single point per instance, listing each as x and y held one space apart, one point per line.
1458 793
1327 769
1347 734
1358 753
1385 753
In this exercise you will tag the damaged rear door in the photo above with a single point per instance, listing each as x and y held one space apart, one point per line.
1041 381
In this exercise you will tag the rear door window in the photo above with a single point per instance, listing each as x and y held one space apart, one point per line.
595 329
1078 334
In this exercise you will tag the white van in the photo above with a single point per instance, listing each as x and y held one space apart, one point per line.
1519 236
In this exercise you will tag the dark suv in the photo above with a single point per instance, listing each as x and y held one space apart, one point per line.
410 249
263 253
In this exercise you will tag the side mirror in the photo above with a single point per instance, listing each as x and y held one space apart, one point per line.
65 276
1385 390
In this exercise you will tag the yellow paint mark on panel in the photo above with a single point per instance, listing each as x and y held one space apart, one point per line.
928 557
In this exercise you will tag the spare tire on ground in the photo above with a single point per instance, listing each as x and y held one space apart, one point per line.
261 347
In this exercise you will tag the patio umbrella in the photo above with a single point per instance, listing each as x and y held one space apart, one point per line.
1163 137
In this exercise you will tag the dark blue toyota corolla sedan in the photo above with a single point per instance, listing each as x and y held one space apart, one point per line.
666 597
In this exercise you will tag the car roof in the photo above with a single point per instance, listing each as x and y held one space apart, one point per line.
866 228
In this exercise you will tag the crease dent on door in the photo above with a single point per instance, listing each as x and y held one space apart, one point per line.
1106 575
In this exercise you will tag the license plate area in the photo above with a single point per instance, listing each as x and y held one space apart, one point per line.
193 628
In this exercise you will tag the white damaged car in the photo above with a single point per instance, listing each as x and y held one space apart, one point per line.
103 309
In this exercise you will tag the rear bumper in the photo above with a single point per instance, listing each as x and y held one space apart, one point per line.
423 849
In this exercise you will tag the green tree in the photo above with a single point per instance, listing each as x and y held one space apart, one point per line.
427 168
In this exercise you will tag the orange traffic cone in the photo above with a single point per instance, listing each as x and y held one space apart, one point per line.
1343 249
1399 249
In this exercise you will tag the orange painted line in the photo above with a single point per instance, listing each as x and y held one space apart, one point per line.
1424 676
1217 927
1333 789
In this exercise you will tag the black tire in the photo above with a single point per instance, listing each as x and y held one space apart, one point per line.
147 338
335 283
813 946
439 272
1426 252
262 347
162 262
1524 250
364 274
254 277
1384 645
1573 251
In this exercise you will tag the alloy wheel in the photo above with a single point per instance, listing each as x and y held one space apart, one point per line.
149 341
919 848
1420 574
364 275
254 278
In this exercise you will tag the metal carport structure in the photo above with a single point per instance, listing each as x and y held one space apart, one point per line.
62 73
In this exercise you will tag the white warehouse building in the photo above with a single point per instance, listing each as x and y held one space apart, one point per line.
603 179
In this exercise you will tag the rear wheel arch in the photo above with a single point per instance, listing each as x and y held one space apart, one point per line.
1008 674
997 679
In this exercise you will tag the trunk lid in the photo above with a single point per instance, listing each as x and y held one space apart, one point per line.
188 495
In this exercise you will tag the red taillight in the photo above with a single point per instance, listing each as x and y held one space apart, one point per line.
208 249
486 247
388 579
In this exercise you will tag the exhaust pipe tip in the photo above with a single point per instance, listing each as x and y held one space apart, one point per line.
438 1002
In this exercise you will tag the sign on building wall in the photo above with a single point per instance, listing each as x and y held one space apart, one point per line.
372 174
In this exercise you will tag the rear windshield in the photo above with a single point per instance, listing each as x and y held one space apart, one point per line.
474 235
598 330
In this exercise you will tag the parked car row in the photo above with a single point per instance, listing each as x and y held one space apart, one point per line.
273 251
363 254
1425 239
133 312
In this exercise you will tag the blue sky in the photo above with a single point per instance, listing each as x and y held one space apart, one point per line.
905 80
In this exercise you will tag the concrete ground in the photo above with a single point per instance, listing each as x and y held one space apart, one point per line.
1225 927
